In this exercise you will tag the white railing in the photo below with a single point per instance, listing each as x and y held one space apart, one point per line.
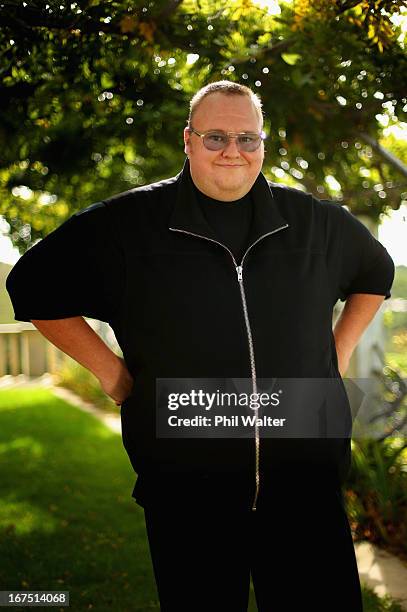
24 350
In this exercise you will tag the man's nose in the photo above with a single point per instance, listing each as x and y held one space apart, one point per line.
231 149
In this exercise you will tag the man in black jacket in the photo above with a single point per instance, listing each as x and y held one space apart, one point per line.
217 274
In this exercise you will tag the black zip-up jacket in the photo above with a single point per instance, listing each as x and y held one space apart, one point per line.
147 262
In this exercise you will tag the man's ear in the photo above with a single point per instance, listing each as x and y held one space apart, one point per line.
186 141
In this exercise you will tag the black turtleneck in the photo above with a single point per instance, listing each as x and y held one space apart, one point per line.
230 220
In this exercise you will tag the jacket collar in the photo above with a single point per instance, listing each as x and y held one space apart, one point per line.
187 214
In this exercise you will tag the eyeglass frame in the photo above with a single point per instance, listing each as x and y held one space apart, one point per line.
262 135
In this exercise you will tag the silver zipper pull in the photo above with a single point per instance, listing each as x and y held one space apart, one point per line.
239 271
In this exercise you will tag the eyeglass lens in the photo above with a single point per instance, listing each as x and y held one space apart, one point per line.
214 141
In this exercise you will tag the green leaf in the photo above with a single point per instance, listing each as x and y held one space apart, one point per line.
291 58
106 81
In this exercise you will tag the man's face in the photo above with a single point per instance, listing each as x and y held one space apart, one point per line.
227 174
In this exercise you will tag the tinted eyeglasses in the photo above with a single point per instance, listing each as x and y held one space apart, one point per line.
216 140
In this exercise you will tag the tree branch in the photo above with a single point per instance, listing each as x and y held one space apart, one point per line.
389 157
168 10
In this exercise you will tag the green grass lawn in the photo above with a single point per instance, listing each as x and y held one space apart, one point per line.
67 519
66 510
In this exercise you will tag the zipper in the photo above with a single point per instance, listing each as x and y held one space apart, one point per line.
239 270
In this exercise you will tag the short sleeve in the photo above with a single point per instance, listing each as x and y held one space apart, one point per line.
76 270
365 266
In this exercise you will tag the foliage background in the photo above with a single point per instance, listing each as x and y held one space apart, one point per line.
94 96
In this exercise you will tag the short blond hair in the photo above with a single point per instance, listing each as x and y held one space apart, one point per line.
229 88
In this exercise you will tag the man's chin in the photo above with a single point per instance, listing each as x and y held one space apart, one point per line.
232 185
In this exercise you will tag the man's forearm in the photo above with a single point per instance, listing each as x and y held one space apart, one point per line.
356 315
75 337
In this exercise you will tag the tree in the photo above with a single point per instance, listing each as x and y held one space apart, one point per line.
94 96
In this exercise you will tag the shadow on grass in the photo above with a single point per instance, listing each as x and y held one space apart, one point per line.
67 519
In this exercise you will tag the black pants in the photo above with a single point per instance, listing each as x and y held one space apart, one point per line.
299 552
